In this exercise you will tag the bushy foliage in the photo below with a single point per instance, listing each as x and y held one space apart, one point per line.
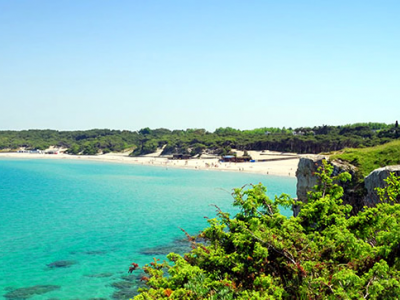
323 253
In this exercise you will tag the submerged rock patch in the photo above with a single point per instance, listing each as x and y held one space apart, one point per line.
100 275
125 294
127 288
95 252
90 252
132 277
179 246
27 292
61 264
122 285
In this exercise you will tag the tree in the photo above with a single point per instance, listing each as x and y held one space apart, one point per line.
260 254
74 149
145 131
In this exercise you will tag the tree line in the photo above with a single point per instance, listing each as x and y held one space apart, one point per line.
315 139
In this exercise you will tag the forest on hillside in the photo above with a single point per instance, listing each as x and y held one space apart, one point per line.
197 141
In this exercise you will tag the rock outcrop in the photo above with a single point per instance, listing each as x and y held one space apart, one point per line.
305 175
356 194
377 179
306 178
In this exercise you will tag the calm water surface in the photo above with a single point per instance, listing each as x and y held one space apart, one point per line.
70 229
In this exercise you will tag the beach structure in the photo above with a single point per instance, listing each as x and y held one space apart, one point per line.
34 151
52 152
181 156
232 158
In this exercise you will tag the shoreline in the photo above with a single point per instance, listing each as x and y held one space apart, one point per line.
285 168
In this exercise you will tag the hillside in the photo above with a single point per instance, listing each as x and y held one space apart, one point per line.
314 140
371 158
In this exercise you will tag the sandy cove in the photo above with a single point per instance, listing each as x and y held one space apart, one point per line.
274 166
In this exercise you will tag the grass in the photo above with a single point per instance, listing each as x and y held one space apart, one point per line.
369 159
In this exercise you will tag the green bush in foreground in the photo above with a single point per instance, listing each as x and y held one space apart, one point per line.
324 253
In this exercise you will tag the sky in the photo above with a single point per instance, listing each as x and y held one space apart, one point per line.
177 64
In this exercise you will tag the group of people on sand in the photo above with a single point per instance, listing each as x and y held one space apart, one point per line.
203 164
212 165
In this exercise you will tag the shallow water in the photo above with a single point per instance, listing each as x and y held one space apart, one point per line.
70 229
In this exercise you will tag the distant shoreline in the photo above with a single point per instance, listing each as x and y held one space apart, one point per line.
282 167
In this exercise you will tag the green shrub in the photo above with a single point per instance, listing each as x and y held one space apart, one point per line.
323 253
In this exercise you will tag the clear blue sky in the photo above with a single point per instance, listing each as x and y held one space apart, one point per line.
131 64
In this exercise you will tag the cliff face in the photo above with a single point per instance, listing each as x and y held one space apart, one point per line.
376 179
306 178
357 195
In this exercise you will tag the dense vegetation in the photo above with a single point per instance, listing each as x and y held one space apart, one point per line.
323 253
196 141
88 142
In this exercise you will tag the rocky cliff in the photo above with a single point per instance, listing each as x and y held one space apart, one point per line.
356 194
377 179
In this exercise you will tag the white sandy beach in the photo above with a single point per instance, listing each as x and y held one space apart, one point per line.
285 167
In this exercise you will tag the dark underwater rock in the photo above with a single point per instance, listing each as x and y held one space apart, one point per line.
90 252
132 277
100 275
135 280
95 252
127 288
125 294
179 246
122 285
27 292
62 264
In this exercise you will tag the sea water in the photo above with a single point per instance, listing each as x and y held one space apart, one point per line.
70 229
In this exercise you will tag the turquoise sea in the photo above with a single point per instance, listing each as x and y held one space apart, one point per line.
70 229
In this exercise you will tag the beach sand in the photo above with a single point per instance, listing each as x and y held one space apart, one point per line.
275 166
